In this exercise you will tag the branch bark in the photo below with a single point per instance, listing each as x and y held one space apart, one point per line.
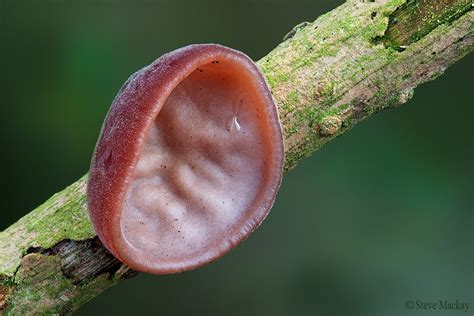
326 76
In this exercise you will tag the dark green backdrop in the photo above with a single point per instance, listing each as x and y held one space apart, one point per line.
381 215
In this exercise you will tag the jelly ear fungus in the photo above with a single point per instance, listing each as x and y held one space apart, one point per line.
189 160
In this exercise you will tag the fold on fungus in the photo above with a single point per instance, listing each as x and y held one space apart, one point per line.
189 160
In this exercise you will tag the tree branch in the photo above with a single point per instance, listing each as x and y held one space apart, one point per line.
326 76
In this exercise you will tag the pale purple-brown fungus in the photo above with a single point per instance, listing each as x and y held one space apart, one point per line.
188 162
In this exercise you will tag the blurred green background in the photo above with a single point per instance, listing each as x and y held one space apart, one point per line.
381 215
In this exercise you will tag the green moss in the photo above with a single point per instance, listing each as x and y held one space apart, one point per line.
328 89
291 102
344 106
293 97
311 143
416 18
39 278
63 216
328 94
275 78
312 43
312 55
41 288
324 114
291 159
71 220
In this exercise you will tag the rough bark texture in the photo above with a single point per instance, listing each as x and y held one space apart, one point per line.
326 76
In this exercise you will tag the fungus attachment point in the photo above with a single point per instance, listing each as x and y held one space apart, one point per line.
188 162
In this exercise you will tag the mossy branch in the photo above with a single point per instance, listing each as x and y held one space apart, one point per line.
326 76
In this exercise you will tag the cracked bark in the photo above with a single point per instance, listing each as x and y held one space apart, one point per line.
326 76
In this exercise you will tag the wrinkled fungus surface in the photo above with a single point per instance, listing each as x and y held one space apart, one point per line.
188 162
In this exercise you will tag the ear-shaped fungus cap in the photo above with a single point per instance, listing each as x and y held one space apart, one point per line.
188 162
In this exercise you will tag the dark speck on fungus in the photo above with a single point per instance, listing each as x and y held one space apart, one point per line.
147 177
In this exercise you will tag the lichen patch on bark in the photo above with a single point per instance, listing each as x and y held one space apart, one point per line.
42 288
336 66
